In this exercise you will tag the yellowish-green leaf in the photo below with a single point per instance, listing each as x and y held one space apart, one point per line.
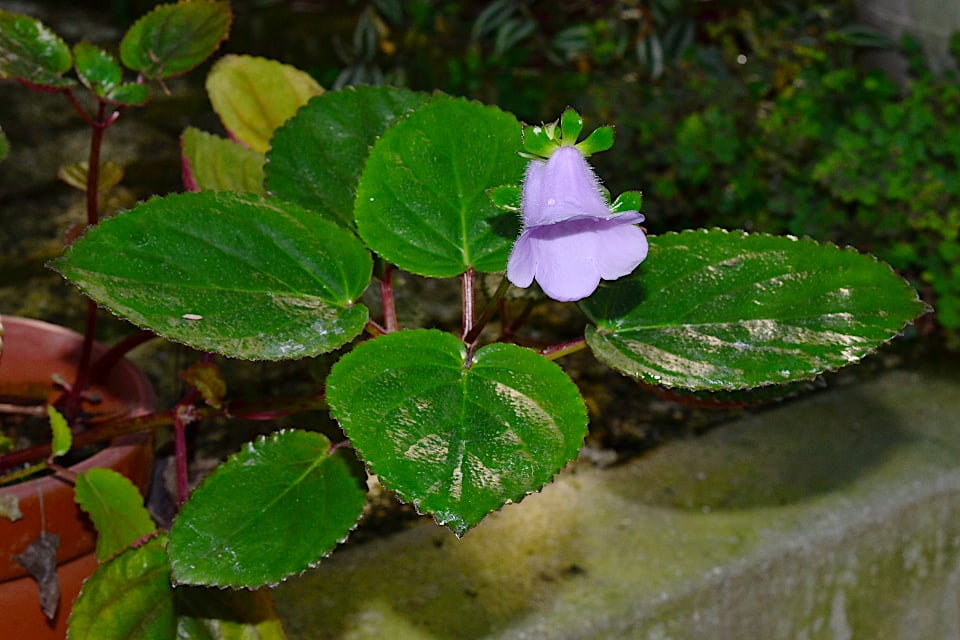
254 96
212 163
62 436
115 506
75 175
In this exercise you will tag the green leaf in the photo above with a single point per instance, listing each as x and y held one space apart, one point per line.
422 200
98 70
4 150
217 614
32 53
271 511
254 96
507 197
316 158
231 273
600 139
174 38
130 94
717 310
627 201
115 506
212 163
62 436
538 140
127 598
456 437
571 124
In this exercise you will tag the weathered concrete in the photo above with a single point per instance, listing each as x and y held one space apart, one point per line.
835 516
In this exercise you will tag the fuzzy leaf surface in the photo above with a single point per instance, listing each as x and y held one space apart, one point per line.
716 310
127 598
457 439
422 201
231 273
316 158
272 510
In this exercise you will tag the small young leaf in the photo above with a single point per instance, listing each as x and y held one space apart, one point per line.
212 163
97 69
254 96
174 38
32 53
206 378
600 139
230 273
456 438
271 511
716 310
316 158
100 72
422 200
127 597
115 506
62 436
75 175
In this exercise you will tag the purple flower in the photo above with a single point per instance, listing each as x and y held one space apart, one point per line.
570 238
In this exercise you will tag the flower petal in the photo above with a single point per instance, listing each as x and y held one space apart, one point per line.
561 188
571 257
522 265
623 248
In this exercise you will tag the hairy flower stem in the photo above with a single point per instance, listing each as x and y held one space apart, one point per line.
468 301
487 312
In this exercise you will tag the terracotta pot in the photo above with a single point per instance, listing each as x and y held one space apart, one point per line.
32 352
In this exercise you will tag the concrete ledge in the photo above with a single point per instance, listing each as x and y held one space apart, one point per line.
836 516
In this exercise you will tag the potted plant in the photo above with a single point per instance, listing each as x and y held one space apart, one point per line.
288 245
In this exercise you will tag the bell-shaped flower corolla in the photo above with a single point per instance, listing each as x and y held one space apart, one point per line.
571 239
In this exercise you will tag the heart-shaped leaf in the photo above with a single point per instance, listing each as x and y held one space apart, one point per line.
254 96
231 273
457 435
271 511
422 201
32 53
174 38
316 158
716 310
212 163
115 506
128 597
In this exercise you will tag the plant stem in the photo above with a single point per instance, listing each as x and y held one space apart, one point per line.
489 309
387 301
564 349
268 408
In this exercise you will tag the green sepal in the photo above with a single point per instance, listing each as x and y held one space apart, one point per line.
600 139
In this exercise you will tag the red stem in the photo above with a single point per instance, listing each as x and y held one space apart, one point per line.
387 301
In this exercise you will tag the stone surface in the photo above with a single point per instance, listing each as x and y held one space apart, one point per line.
833 516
